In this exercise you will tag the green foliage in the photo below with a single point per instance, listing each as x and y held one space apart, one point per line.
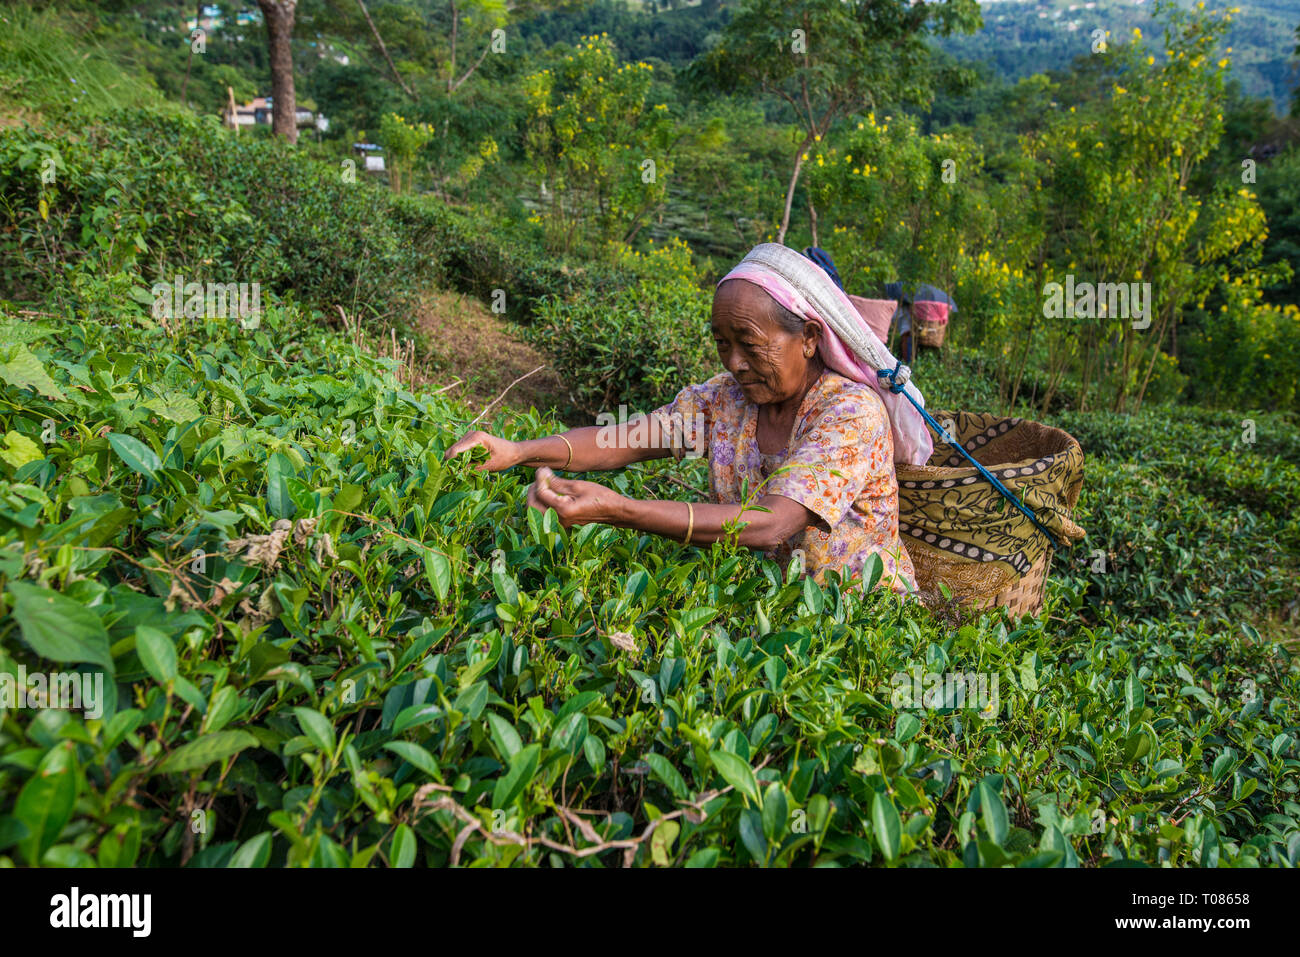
596 142
149 195
636 348
817 53
45 70
403 141
330 647
1017 41
409 650
480 252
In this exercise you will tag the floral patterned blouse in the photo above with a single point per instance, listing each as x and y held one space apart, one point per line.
839 463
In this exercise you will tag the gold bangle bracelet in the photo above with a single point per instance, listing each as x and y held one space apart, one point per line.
690 522
567 461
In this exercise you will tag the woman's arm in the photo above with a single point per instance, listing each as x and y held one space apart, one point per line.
599 448
576 502
594 447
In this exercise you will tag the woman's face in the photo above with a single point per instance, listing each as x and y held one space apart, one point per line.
770 363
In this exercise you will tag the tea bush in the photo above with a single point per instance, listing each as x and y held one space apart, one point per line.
146 194
478 252
324 645
1211 518
636 347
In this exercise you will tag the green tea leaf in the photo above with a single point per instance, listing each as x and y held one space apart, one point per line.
522 768
58 628
157 653
886 825
317 728
255 852
45 803
737 772
416 755
993 812
402 853
437 569
206 750
1134 697
138 457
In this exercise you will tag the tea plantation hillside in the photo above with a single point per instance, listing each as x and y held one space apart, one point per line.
307 639
335 649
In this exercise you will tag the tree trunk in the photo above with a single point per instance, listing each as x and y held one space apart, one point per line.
231 117
1155 355
279 15
794 181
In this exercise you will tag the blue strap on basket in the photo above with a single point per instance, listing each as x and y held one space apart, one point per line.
890 378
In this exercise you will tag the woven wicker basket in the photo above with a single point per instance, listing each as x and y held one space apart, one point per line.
942 501
929 333
929 323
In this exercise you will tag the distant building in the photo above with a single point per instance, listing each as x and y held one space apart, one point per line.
259 112
373 154
256 111
212 19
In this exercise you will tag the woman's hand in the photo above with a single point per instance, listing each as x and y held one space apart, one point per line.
576 502
502 453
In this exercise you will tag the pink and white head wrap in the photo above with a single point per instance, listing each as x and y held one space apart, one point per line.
848 346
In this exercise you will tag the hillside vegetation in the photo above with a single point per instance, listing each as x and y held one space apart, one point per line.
324 645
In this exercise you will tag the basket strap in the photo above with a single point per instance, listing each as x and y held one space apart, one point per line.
897 379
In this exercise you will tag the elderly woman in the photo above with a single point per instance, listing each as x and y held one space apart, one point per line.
800 419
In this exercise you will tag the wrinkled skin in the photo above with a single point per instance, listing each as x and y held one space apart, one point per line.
770 364
774 367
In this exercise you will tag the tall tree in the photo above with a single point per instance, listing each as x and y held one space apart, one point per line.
279 17
383 49
827 59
